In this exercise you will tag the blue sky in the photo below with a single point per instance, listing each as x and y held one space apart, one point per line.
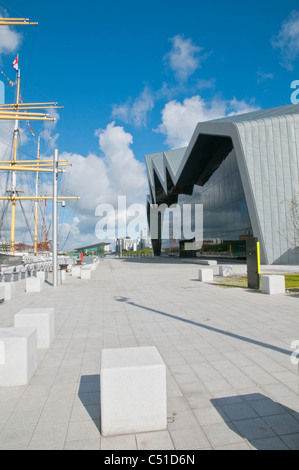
135 77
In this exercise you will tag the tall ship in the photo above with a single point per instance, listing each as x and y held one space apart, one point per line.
20 177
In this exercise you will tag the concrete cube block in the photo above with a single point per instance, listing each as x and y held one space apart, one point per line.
205 275
76 271
34 284
2 293
133 391
225 270
85 274
272 284
9 290
43 319
43 275
18 356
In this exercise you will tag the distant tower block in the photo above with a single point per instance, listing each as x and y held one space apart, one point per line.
2 95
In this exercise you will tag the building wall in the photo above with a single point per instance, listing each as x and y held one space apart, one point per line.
259 195
271 156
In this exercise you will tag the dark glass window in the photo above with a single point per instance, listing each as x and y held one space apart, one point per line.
225 212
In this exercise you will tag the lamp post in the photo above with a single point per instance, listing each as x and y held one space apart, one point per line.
54 221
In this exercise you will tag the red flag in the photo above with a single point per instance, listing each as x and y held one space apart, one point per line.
32 132
15 63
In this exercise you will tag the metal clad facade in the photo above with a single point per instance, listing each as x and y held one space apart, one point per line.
267 150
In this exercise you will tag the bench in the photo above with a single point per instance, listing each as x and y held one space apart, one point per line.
208 262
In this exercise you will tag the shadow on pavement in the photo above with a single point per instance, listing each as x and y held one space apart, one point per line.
210 328
266 424
89 394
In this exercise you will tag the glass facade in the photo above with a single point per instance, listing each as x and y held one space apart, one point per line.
225 213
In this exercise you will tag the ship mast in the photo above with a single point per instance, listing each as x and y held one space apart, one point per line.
13 191
36 195
21 112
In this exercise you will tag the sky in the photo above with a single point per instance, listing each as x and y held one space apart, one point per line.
134 78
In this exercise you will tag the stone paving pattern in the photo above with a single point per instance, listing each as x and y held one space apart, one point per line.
230 380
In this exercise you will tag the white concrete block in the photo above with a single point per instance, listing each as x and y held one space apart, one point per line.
76 271
208 262
205 275
225 271
273 284
9 290
18 356
133 391
62 275
34 284
85 274
43 275
43 319
2 293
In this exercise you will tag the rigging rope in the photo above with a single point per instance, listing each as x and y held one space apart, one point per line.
71 227
25 217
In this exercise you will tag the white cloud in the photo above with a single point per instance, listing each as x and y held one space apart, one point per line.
137 111
100 180
48 132
235 106
180 119
287 40
184 57
96 180
263 77
9 39
126 174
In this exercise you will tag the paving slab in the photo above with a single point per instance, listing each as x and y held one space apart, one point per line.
230 380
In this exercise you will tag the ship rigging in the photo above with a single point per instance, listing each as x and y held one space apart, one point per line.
20 111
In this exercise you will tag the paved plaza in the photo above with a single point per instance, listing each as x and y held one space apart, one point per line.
230 380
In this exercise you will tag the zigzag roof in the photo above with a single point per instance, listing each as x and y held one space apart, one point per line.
173 161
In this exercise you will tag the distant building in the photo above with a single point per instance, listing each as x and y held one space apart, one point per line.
96 249
128 244
244 170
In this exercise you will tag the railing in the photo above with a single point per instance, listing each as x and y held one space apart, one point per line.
16 273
